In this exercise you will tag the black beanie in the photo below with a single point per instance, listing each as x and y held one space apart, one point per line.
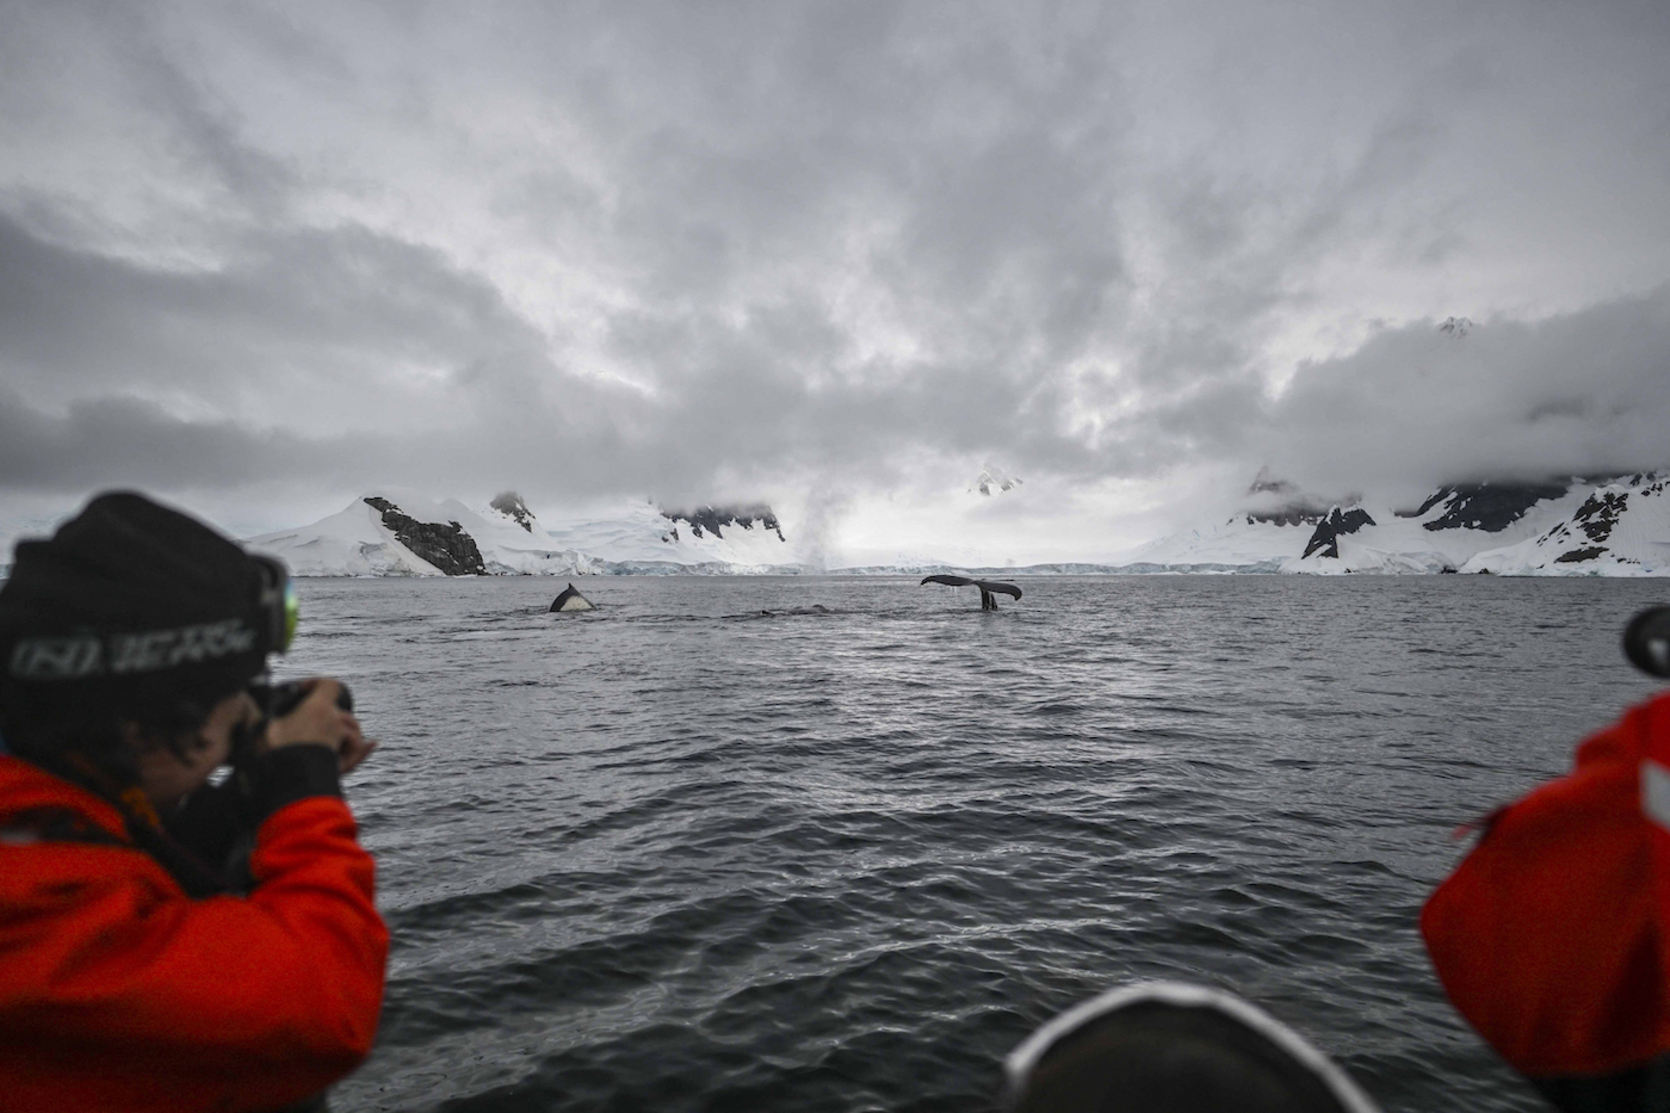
131 598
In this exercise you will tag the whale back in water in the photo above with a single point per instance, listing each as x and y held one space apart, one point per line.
570 600
1169 1047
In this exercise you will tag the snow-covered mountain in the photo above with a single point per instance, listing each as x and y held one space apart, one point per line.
1620 529
1617 526
640 537
400 532
993 479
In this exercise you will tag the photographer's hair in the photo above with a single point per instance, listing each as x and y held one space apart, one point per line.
52 727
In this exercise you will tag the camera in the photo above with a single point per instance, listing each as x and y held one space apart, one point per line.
278 700
1647 641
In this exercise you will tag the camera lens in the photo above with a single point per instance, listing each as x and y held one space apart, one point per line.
1647 641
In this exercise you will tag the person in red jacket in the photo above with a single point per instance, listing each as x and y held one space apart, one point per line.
1552 937
167 943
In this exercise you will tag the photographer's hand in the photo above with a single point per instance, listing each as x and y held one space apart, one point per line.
317 720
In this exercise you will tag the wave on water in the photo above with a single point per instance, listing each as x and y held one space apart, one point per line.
680 854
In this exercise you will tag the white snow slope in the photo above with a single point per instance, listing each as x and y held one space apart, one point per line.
1238 545
1620 527
355 542
637 537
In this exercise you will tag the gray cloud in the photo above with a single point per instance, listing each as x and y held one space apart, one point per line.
695 251
1580 393
127 441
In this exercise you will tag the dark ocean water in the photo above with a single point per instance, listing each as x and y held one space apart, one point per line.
680 854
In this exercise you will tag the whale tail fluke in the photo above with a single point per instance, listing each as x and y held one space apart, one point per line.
988 588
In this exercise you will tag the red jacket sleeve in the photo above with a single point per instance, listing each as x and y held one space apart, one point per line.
1550 936
266 998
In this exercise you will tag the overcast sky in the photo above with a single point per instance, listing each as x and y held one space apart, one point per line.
260 258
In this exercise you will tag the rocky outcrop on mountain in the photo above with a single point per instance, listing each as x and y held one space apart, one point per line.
1267 483
1325 541
1599 512
510 504
1277 502
993 478
1609 526
1491 507
398 531
446 546
713 519
1293 515
1588 535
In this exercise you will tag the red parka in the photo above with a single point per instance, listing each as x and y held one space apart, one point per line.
1553 936
119 992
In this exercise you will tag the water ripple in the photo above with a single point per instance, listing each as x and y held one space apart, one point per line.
710 847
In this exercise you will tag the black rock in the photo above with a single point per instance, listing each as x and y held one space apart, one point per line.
1299 514
510 504
1577 556
1336 524
447 546
1598 514
1297 510
1492 507
710 519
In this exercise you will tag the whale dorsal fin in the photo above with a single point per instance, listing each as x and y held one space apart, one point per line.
571 600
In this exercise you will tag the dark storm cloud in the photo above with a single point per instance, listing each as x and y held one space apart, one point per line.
674 249
130 441
297 309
